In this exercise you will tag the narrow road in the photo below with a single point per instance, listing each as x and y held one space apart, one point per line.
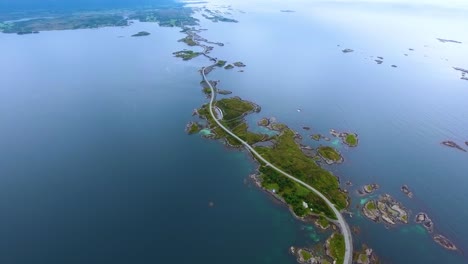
348 258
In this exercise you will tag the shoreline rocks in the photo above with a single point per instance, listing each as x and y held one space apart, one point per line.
452 144
368 189
449 40
141 34
348 138
365 256
423 219
271 124
405 189
464 72
327 153
385 209
444 242
239 64
192 128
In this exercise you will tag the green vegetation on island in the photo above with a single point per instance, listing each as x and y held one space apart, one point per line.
193 128
228 67
351 140
322 222
365 256
336 247
214 16
186 54
220 63
141 34
206 90
287 155
306 255
386 210
45 21
234 109
63 22
188 40
166 17
239 64
329 155
316 137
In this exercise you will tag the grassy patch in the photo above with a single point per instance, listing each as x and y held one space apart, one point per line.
316 137
207 90
337 247
188 40
241 131
186 54
287 155
370 205
193 128
306 255
329 153
351 140
221 63
322 221
234 108
363 258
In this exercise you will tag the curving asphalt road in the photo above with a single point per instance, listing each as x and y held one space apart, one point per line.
348 258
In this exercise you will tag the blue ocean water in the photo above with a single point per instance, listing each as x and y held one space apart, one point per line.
295 61
96 166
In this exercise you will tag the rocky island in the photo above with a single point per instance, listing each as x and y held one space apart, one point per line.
365 256
424 220
330 155
452 144
141 34
271 124
387 209
449 40
368 189
239 64
350 139
188 40
316 137
444 242
347 50
186 54
464 72
192 128
405 189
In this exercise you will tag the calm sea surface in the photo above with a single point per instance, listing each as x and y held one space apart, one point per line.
401 114
95 165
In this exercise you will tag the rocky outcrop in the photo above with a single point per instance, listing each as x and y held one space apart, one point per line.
452 144
423 219
405 189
